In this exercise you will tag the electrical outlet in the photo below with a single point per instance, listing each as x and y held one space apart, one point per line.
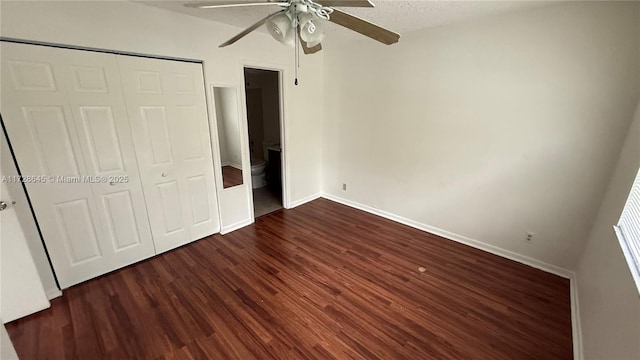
529 236
344 186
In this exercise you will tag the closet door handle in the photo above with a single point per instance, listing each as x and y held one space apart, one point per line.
4 205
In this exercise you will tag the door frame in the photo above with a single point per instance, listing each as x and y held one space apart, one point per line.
215 148
281 70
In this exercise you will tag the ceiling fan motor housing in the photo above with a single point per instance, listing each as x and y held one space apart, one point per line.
300 8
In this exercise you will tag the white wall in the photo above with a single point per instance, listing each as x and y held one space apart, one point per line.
135 27
490 128
609 301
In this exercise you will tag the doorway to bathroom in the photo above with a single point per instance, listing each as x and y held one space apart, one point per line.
262 92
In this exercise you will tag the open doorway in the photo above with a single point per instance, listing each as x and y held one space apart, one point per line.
262 91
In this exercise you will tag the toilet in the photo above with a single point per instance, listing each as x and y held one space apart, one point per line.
258 176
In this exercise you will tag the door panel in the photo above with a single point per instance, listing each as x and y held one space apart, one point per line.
156 130
148 82
169 196
48 132
64 112
99 130
123 227
191 127
167 109
32 76
89 79
197 186
75 224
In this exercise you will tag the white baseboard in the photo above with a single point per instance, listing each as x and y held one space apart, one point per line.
53 293
556 270
457 238
236 226
229 163
304 200
576 328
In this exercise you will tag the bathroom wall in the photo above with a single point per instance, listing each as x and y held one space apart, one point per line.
226 100
271 109
269 134
254 122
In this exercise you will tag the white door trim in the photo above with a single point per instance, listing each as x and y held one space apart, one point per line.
92 49
282 70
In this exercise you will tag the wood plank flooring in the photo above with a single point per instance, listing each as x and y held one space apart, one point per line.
322 281
231 176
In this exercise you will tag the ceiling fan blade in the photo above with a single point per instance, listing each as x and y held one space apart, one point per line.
310 50
248 30
305 48
233 3
347 3
364 27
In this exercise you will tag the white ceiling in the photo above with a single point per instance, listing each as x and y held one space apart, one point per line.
401 16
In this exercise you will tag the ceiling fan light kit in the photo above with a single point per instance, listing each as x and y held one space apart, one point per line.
279 27
311 29
304 20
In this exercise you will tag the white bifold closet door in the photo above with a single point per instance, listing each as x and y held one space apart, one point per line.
168 114
65 117
139 123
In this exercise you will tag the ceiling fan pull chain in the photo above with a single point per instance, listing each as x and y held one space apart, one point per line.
296 54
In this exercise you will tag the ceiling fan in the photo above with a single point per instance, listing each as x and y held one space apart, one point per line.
304 20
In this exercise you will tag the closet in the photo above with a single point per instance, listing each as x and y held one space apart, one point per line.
114 151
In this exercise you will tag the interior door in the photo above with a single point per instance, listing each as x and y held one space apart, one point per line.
21 291
65 115
167 108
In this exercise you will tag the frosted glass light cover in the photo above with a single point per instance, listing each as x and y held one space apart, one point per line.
290 39
311 28
314 43
279 27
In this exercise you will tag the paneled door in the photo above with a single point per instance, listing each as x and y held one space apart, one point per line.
21 291
66 119
168 114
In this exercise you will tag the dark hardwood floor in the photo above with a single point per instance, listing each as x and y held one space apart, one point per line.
322 281
231 176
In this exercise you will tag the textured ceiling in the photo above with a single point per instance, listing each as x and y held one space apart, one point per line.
401 16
